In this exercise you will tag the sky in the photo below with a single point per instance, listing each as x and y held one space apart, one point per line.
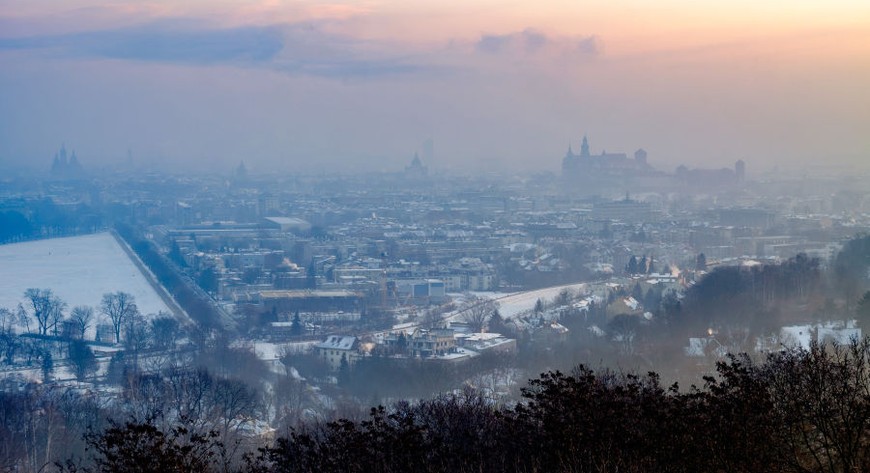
361 85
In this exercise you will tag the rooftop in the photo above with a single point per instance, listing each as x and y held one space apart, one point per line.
337 342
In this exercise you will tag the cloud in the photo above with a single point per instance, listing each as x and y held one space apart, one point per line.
533 42
589 45
162 42
529 40
305 48
302 48
494 43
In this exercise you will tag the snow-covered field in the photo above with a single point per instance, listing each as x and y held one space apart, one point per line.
78 269
515 304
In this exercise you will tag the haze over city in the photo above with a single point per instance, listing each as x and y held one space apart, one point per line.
356 86
434 236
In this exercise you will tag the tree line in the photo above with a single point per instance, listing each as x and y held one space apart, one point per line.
197 306
52 331
800 410
45 219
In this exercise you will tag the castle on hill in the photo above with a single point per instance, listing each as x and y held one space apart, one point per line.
604 164
597 173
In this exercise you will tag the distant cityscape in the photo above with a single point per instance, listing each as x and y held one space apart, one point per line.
405 284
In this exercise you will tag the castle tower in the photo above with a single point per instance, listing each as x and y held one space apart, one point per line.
640 156
584 148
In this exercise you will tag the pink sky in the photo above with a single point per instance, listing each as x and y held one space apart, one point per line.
284 84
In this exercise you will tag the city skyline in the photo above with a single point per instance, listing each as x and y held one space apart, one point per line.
361 85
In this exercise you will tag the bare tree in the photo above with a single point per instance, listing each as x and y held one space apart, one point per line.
118 306
233 404
82 316
623 329
136 336
291 396
8 338
7 320
164 331
189 393
55 314
563 298
147 397
45 307
476 311
431 318
23 316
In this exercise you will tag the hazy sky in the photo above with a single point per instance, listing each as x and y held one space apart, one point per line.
313 85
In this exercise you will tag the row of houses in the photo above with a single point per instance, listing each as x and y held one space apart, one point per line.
792 336
436 344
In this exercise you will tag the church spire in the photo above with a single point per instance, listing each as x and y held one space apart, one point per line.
584 148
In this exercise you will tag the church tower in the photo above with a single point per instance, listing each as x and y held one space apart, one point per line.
584 148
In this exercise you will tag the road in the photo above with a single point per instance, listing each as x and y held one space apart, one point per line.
510 305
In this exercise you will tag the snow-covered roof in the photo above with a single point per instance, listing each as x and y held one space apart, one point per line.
287 220
699 347
558 328
480 337
457 354
803 335
582 305
337 342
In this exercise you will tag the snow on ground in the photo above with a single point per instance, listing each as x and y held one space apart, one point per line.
78 269
515 304
273 351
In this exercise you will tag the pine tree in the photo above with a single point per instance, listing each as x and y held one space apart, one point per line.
643 266
311 276
632 265
296 326
47 367
497 323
